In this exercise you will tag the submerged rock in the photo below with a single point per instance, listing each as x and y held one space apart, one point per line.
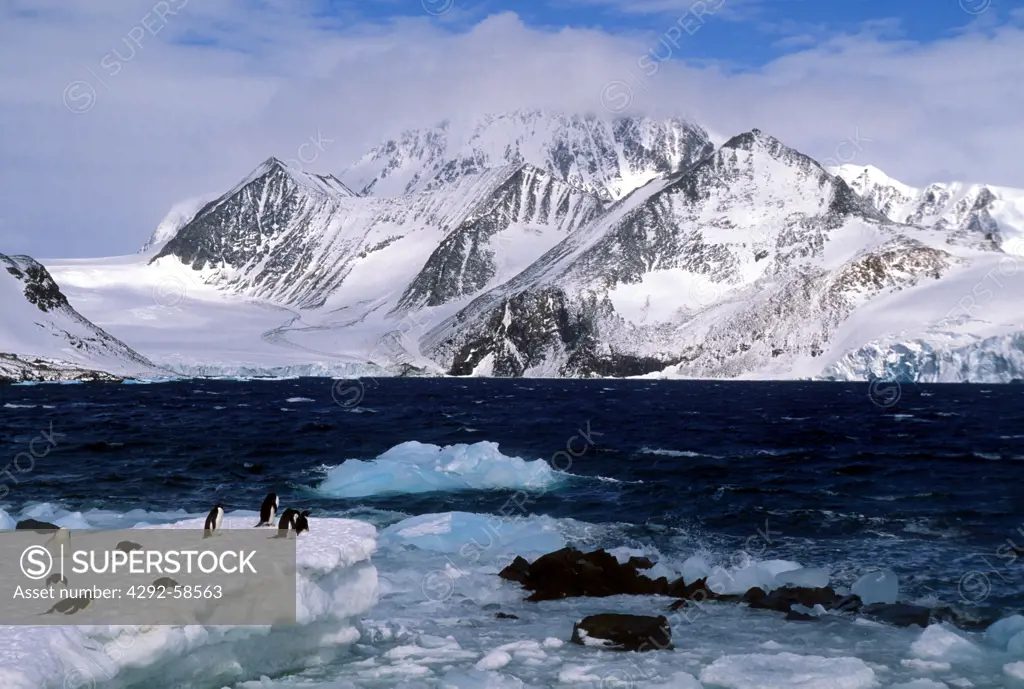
624 632
898 614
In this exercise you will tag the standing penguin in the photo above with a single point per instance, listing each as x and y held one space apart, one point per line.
268 511
213 520
301 523
287 522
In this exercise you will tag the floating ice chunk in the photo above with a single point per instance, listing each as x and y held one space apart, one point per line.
940 641
680 680
877 587
925 665
1015 670
470 535
816 611
552 642
414 467
921 684
695 567
495 660
6 521
1000 634
739 581
805 577
474 679
573 674
788 671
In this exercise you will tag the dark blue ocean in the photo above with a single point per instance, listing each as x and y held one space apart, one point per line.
925 480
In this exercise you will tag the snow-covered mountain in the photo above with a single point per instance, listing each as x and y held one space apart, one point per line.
283 236
607 158
545 244
42 337
984 215
744 262
181 214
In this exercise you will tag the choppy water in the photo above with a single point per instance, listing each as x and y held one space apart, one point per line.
826 474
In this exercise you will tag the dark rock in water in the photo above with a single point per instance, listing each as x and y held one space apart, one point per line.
569 573
898 614
754 595
35 525
505 616
850 603
969 620
624 632
518 570
640 562
781 600
696 590
677 605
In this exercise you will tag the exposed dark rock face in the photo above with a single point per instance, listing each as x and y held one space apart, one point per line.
40 288
69 329
467 259
624 632
569 573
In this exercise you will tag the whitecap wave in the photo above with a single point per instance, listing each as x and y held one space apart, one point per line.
674 453
415 467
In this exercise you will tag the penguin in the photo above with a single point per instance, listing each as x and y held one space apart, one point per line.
56 579
61 537
287 522
128 546
301 523
268 510
166 583
69 606
213 520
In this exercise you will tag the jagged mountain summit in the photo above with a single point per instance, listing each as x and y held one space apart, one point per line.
42 337
275 237
986 215
608 158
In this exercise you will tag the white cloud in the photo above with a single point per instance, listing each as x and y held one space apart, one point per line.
225 83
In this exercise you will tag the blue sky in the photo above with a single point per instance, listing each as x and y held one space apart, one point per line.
747 33
100 134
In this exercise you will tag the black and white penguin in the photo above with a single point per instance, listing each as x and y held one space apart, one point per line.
166 583
287 522
301 523
268 510
213 520
56 579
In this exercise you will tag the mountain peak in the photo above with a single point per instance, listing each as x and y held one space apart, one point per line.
609 157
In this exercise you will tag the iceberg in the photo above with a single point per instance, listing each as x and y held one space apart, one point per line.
414 467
